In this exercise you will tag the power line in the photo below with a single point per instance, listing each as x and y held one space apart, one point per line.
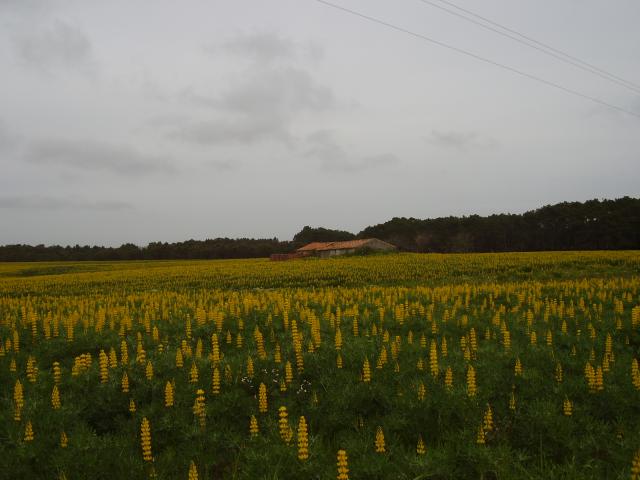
544 45
536 45
478 57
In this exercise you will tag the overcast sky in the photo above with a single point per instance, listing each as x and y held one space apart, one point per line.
137 121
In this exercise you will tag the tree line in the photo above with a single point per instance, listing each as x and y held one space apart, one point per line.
590 225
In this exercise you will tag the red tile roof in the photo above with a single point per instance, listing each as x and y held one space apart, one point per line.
321 246
314 246
345 245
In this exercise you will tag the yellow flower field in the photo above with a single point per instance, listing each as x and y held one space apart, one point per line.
384 366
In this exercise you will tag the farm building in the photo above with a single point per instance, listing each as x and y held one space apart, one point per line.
331 249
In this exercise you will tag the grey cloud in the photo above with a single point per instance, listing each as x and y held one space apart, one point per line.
96 156
262 107
324 147
265 103
40 202
62 45
260 46
284 90
460 140
268 47
246 130
268 91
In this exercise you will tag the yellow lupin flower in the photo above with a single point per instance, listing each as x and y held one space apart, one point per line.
199 348
193 471
103 365
262 398
277 355
433 359
506 339
124 352
599 380
635 374
253 426
422 391
635 466
145 440
16 341
148 372
215 349
379 442
283 424
343 466
558 373
168 395
288 372
64 440
187 327
199 409
480 437
250 370
57 374
28 432
338 339
55 398
420 447
193 374
471 382
32 369
113 358
215 381
590 376
366 371
448 379
18 400
488 419
567 407
517 369
125 382
303 440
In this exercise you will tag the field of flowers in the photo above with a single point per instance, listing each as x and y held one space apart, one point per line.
403 366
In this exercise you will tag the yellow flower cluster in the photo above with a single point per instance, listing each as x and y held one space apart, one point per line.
303 439
145 440
379 442
28 432
168 395
199 409
262 398
343 465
